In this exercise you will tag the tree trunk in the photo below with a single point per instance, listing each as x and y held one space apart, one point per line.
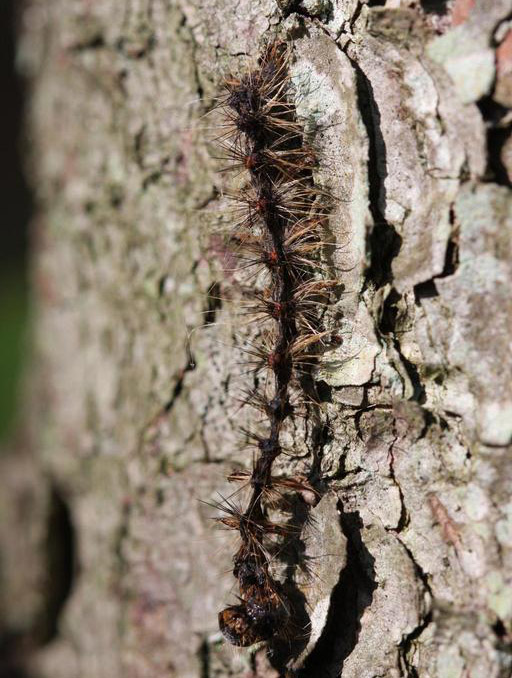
111 565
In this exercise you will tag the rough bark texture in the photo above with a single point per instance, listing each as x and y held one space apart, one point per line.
132 408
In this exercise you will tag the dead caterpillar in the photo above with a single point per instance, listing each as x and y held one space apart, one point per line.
279 216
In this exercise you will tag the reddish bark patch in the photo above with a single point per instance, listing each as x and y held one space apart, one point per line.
461 10
503 89
504 55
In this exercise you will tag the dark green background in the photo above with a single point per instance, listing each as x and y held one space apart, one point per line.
14 214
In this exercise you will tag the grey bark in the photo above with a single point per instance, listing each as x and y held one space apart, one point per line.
130 402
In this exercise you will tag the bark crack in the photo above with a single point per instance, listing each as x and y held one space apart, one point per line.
405 647
352 595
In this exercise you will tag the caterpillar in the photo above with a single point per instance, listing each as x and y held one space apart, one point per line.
280 215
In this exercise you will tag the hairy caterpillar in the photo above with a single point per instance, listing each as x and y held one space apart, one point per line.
280 217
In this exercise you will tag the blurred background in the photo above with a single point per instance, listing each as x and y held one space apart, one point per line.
16 211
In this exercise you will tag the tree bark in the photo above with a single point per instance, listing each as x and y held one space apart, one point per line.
111 566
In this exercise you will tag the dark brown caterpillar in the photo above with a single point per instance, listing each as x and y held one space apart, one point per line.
281 215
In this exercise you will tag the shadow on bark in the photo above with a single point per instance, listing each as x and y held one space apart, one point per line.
349 599
16 648
351 596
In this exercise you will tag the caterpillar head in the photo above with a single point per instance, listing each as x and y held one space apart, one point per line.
252 621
